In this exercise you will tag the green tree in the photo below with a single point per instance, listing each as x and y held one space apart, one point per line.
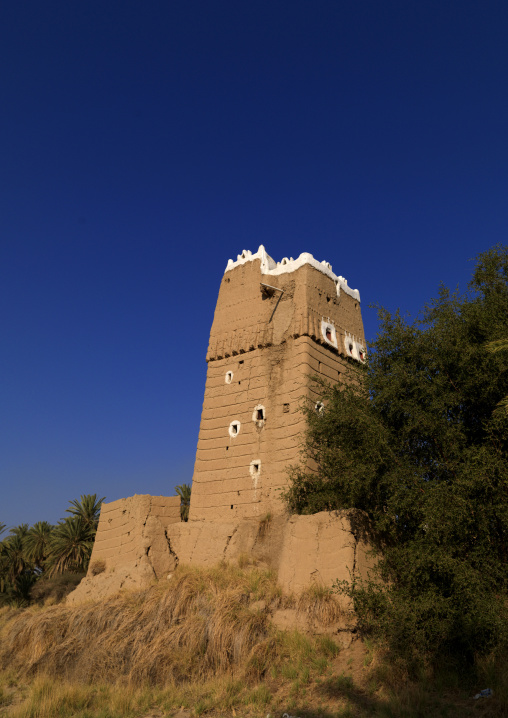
70 544
500 345
87 509
184 492
15 558
20 531
37 543
413 442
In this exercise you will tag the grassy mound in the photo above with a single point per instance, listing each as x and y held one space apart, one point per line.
205 643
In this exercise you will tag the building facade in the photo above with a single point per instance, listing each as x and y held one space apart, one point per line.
276 325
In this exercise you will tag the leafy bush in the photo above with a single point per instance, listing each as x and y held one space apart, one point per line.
414 441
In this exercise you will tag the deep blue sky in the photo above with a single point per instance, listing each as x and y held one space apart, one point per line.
146 143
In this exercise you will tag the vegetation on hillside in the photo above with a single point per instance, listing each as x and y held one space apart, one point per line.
416 441
54 557
207 642
184 492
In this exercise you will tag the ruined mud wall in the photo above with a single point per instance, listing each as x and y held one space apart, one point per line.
271 332
131 546
302 550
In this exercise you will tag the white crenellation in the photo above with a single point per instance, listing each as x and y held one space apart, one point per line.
273 268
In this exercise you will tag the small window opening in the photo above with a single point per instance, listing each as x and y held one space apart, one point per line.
329 334
327 299
227 280
231 505
234 429
319 408
241 361
229 377
259 415
285 408
255 470
362 355
351 348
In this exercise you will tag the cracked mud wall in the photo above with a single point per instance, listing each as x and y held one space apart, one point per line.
302 550
131 547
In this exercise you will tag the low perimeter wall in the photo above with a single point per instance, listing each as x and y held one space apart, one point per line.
141 539
131 548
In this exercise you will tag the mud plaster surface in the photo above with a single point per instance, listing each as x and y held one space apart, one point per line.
131 546
302 550
265 346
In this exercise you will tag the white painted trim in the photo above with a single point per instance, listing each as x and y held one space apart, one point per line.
259 422
327 324
285 266
233 434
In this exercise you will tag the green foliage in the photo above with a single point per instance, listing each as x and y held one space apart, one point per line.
184 492
415 442
500 345
37 543
87 509
71 544
30 555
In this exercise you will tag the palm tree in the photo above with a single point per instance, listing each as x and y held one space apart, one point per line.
14 552
499 345
3 565
88 509
70 543
2 528
37 547
20 531
184 492
19 590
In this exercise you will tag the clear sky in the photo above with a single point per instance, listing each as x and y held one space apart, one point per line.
146 143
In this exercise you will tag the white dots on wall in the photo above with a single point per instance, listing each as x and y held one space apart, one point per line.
234 428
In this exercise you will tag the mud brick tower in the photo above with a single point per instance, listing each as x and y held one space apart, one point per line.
275 326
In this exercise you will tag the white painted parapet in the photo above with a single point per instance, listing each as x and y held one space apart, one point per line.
271 267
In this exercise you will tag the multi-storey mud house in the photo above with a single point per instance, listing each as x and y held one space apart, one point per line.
275 326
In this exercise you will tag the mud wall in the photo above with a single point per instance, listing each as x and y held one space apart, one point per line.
302 550
270 334
131 546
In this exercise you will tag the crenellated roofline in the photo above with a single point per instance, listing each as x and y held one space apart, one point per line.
285 266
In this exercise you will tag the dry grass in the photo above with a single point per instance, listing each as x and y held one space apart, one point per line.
321 605
98 566
196 626
201 643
